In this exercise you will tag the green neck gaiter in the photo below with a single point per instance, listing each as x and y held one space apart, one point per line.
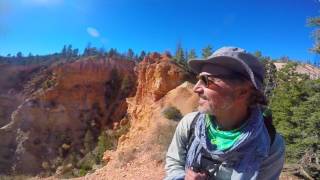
222 139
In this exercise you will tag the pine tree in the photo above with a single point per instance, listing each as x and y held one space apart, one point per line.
270 76
87 50
69 51
102 146
141 56
186 54
207 51
88 141
192 54
315 22
112 53
64 51
179 56
130 54
19 55
258 54
75 52
295 106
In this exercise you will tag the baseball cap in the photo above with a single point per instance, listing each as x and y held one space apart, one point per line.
236 60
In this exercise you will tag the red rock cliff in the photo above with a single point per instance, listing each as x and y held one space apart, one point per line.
76 98
140 153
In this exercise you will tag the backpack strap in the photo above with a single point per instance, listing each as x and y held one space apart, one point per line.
267 119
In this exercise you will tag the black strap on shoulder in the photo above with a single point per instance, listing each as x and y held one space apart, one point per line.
270 127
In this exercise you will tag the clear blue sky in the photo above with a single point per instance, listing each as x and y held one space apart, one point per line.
275 27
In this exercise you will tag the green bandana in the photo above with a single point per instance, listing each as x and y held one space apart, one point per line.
222 139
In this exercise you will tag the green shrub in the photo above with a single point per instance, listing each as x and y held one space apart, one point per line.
86 163
83 172
108 140
102 146
172 113
88 141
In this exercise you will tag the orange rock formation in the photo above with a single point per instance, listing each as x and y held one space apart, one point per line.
140 153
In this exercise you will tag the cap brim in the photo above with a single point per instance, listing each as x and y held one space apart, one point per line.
233 64
225 61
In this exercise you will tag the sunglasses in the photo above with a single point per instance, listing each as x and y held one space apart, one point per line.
209 79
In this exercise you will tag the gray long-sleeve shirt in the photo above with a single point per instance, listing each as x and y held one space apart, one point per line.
176 156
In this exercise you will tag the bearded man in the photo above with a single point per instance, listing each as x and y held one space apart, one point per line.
231 136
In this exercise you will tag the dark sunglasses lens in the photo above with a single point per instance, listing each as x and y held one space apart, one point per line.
204 79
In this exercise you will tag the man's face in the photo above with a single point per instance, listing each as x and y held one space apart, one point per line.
219 96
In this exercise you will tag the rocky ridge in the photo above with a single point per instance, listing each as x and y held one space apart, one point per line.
47 129
140 153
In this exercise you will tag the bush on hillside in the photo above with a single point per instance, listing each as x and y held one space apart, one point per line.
172 113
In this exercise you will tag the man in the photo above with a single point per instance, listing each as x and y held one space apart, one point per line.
230 137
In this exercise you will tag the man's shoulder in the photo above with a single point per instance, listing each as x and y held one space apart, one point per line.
188 118
185 124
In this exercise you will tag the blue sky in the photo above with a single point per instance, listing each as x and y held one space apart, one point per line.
275 27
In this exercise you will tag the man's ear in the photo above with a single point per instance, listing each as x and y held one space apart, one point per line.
242 92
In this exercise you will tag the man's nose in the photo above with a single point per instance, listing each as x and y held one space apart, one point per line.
198 88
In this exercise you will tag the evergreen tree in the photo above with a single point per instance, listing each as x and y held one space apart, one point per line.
294 104
64 51
142 55
19 55
130 54
258 54
192 54
75 52
88 141
207 51
69 51
270 76
179 56
94 51
186 54
306 118
87 50
315 22
112 53
102 146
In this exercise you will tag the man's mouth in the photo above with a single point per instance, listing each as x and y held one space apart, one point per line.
203 97
202 100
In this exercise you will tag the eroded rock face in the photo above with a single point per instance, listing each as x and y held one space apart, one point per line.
140 152
12 79
88 95
78 97
156 76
